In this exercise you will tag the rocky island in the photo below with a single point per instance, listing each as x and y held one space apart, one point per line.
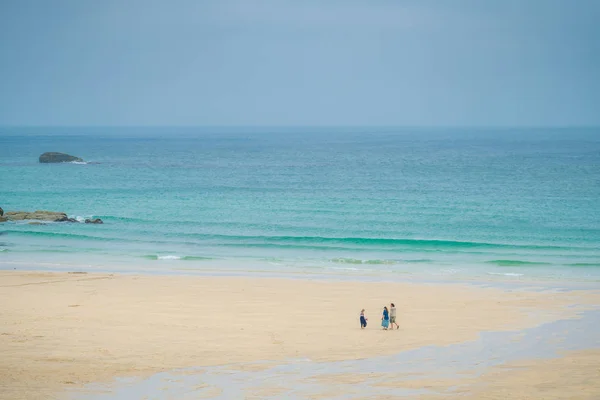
53 157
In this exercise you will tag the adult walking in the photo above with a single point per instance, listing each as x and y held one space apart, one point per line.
385 318
393 316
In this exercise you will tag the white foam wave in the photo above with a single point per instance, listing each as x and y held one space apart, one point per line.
446 271
77 162
505 273
169 257
79 218
348 269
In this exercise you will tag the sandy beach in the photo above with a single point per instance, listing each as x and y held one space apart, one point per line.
65 330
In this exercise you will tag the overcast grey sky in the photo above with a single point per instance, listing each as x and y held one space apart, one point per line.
303 62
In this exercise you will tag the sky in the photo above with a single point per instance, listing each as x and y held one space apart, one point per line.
300 62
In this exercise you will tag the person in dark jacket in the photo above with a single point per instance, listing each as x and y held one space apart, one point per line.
363 319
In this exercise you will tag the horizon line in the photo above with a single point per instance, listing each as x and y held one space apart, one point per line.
311 126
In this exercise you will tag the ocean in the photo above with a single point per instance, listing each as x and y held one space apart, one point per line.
389 203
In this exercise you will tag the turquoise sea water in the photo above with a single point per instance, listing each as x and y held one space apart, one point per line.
512 203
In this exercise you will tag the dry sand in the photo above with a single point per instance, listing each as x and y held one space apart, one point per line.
58 330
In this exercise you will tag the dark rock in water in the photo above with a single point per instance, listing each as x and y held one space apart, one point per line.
1 212
53 157
50 216
39 217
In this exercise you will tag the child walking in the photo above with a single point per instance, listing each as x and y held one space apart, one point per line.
363 319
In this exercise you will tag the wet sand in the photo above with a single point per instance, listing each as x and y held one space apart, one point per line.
574 375
61 331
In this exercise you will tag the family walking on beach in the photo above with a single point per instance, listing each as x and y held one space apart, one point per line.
388 318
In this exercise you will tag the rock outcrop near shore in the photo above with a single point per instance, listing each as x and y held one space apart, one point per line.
41 216
50 216
53 157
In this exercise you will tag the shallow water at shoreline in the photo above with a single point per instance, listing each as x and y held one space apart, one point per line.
435 276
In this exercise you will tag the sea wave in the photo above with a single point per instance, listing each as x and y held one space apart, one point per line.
515 263
321 243
505 273
175 257
136 220
80 218
376 241
584 265
359 261
61 235
383 243
346 269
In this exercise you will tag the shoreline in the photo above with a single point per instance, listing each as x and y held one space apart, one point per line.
486 279
70 329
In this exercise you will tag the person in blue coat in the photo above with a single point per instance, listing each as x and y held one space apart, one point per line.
385 318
